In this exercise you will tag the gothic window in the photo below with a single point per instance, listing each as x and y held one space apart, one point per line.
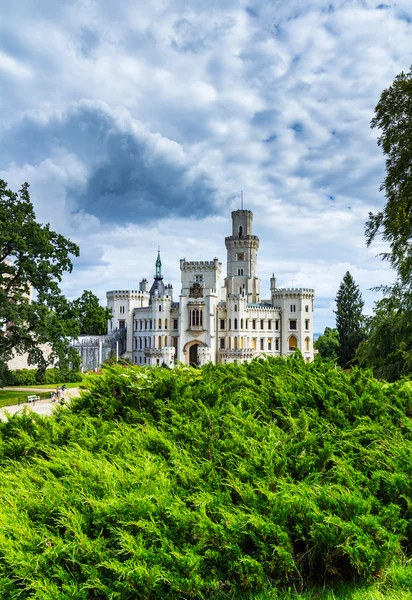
222 343
165 323
254 324
151 323
307 342
269 344
230 323
160 307
141 343
269 324
241 323
235 307
293 324
293 342
240 231
222 323
293 308
240 271
165 340
235 323
277 344
262 324
122 325
307 308
262 343
145 342
277 324
307 324
160 323
145 324
160 341
175 323
247 323
196 317
235 343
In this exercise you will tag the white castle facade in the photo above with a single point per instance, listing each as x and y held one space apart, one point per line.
211 323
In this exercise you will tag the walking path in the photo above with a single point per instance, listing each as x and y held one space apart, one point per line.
41 407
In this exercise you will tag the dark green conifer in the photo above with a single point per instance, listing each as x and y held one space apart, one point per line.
349 320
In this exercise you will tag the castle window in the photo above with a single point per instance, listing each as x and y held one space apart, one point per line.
247 323
235 343
235 323
293 308
276 343
121 310
222 323
240 256
307 308
235 307
277 324
122 325
269 344
240 271
160 323
145 342
199 278
141 343
262 324
262 343
293 342
307 324
269 324
165 323
165 340
254 324
254 343
196 317
241 323
175 323
222 343
240 231
293 324
160 341
145 324
307 342
230 323
160 307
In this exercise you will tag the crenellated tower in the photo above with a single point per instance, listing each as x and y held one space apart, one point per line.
242 248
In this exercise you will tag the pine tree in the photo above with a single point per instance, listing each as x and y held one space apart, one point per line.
349 320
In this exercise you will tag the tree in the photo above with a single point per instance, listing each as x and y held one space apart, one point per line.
387 349
349 320
92 316
328 344
393 116
32 261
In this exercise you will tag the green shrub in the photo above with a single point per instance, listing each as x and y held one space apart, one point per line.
208 483
31 377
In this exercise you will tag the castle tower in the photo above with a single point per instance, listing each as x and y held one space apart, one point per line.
242 247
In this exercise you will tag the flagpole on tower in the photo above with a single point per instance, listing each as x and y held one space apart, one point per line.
241 199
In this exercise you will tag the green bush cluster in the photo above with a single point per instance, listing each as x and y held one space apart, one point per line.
206 483
29 377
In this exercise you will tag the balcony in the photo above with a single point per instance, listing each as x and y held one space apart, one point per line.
241 354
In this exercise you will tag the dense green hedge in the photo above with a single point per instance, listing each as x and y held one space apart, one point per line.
208 482
28 377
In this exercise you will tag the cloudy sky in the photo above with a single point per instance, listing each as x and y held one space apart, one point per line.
138 123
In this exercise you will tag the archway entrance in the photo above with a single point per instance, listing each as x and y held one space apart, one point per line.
193 357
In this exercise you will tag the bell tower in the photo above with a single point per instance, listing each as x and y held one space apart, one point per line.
242 247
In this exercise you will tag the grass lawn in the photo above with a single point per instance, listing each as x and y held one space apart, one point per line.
51 386
10 397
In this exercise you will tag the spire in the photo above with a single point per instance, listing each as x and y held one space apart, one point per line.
158 265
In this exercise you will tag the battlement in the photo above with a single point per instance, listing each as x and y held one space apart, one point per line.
187 265
123 294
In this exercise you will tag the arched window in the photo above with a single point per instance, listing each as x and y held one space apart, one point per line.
160 307
160 341
160 323
230 323
307 342
140 343
241 323
235 323
293 342
235 343
235 307
240 231
145 342
165 340
165 323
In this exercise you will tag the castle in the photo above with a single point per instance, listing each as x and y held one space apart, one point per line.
211 323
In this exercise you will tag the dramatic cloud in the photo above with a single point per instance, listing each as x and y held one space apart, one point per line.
138 124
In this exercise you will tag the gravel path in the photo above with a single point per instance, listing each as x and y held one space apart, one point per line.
41 407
